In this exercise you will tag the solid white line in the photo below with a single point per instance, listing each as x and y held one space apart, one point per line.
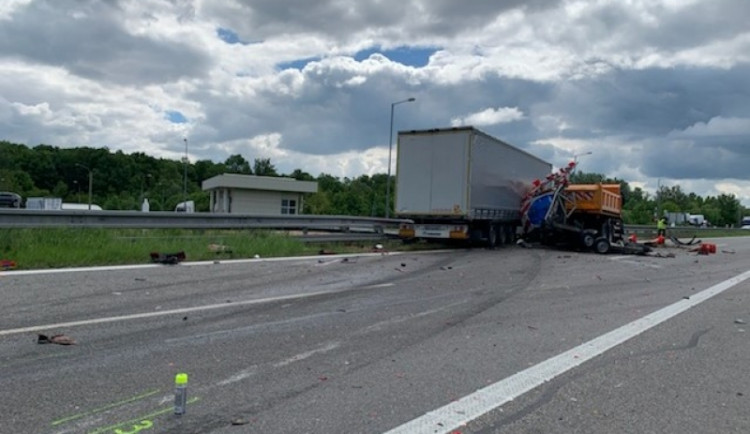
159 313
307 354
192 264
470 407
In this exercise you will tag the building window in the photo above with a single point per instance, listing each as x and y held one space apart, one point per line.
288 206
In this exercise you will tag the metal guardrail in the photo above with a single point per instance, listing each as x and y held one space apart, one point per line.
21 218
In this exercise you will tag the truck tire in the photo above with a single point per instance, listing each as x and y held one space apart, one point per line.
510 234
587 240
502 235
492 237
601 245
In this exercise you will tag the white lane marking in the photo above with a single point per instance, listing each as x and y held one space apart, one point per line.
192 264
379 285
239 376
302 356
470 407
160 313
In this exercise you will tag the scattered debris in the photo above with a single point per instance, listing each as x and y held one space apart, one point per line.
740 321
219 248
326 252
704 249
678 242
167 258
377 247
660 255
257 256
55 339
349 260
448 267
731 252
7 264
239 421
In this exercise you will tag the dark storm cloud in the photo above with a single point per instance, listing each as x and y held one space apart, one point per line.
87 38
443 18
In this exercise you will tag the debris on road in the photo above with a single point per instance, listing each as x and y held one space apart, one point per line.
679 242
7 264
167 258
239 421
219 248
740 321
326 252
55 339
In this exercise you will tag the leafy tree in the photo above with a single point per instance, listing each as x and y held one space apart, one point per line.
237 164
263 167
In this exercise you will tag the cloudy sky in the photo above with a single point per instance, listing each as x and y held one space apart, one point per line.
658 91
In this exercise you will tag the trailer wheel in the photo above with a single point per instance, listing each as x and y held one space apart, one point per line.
502 235
587 239
492 236
510 234
601 245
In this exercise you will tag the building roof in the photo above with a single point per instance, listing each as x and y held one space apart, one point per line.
252 182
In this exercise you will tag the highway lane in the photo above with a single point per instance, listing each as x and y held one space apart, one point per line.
358 344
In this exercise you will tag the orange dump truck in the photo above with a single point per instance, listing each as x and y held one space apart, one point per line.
585 215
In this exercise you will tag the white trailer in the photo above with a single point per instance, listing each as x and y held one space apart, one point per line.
460 183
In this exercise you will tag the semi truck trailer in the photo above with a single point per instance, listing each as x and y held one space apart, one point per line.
462 184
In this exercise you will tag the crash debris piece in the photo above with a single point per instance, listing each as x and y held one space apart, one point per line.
7 264
59 339
167 258
219 248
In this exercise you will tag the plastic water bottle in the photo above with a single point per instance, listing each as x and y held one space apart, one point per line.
180 393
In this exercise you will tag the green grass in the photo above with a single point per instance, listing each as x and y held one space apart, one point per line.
72 247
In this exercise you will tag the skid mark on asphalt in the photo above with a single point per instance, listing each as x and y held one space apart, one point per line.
629 260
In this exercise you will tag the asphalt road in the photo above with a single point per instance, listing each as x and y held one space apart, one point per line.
370 344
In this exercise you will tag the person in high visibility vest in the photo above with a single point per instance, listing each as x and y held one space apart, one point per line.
661 227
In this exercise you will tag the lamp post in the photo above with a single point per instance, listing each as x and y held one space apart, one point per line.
184 186
91 181
78 190
390 152
575 159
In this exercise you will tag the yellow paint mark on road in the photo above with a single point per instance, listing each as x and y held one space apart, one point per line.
138 420
105 408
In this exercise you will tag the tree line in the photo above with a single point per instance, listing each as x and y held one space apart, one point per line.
121 182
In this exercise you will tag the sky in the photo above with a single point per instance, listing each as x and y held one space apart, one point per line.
655 92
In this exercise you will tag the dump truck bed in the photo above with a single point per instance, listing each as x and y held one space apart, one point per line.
604 199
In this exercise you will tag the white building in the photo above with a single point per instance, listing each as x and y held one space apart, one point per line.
260 195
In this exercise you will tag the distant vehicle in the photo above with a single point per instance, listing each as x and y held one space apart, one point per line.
745 221
745 227
81 206
188 206
696 219
10 200
44 203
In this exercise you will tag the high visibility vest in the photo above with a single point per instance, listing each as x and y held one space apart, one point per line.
661 224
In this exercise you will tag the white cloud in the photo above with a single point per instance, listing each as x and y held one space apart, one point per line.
489 116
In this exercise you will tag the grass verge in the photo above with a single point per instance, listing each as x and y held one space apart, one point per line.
37 248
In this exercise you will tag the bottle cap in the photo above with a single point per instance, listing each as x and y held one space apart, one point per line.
181 378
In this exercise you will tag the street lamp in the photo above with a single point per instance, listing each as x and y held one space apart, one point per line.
575 159
390 152
184 187
91 181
